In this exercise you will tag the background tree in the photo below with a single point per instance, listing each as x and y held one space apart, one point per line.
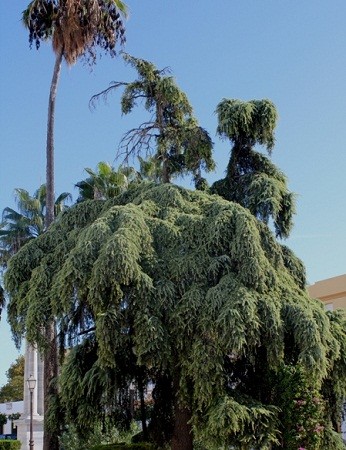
19 227
107 182
12 391
172 138
252 180
3 420
28 222
188 287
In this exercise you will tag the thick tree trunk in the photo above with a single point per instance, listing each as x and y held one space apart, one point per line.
182 434
50 142
50 439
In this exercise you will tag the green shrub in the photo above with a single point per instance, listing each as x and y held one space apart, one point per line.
8 444
137 446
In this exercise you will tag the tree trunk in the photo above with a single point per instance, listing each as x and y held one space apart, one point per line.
182 434
143 412
50 141
50 438
165 170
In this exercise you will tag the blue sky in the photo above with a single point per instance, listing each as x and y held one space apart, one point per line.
291 52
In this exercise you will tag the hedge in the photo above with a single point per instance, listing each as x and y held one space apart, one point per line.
137 446
8 444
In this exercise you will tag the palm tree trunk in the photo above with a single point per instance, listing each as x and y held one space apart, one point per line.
50 438
50 140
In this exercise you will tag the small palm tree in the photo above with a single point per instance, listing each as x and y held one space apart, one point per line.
106 182
28 222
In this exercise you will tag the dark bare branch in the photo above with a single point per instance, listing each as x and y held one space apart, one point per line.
137 139
104 94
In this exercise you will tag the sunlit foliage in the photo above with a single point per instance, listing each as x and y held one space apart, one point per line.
162 281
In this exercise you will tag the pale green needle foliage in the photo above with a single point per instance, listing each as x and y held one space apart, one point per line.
171 139
163 283
251 178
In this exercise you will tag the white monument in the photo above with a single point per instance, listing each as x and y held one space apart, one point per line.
34 367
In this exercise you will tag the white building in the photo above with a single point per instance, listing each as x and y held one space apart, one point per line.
9 409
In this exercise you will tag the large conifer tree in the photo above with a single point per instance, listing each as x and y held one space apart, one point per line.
189 290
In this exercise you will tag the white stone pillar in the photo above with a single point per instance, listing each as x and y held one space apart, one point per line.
33 366
31 357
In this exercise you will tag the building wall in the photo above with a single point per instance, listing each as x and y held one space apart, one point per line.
8 409
331 291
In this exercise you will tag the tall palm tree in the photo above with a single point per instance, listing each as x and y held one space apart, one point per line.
76 28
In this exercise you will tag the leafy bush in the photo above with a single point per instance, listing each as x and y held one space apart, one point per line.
3 419
137 446
8 444
102 435
302 409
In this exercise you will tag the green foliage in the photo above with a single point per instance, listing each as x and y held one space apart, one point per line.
18 227
302 408
247 424
137 446
334 385
12 391
332 440
14 416
247 122
167 282
106 182
3 419
172 139
76 28
8 444
252 180
104 433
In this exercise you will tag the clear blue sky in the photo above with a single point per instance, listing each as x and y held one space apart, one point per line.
291 52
